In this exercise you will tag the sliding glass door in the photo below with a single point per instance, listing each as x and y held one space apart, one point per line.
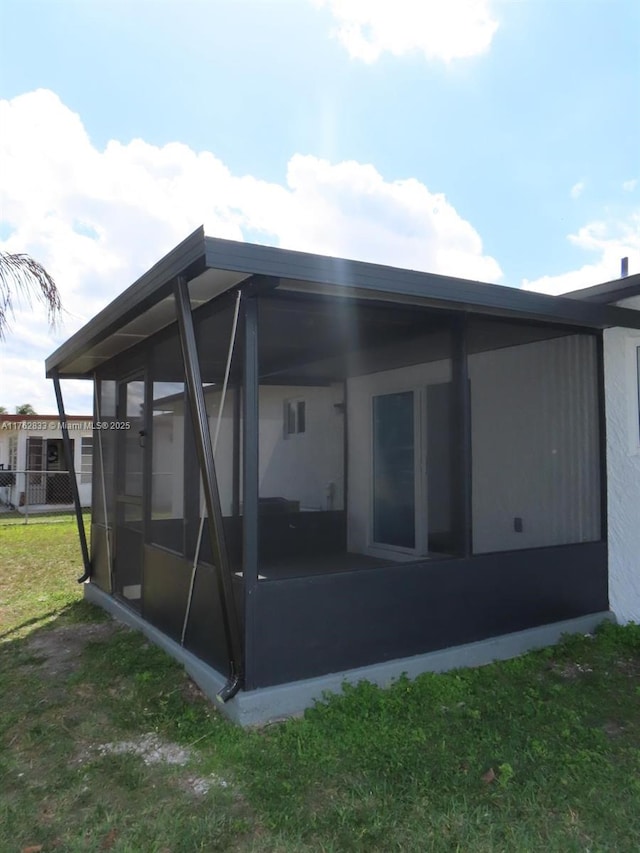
411 485
395 457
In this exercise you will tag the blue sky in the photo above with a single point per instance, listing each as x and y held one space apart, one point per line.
494 140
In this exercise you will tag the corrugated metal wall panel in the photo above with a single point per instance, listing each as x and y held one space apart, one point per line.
535 444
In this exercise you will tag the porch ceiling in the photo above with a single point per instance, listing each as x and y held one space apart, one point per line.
213 266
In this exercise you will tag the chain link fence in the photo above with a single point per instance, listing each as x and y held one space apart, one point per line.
31 495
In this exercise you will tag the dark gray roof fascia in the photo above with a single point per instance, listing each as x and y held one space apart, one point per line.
609 291
133 300
198 252
459 293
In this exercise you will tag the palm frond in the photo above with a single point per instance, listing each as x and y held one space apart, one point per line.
22 277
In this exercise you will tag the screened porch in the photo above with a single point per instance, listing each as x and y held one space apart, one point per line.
308 465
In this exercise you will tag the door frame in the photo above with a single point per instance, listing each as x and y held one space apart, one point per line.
361 389
420 517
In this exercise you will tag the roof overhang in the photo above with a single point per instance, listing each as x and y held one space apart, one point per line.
610 291
213 266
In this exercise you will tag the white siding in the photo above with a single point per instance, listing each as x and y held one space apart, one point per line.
535 444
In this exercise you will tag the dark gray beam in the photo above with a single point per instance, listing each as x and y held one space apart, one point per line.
462 480
602 439
256 285
204 451
68 452
250 521
237 418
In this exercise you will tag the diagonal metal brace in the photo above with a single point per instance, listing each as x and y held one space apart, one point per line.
66 443
204 450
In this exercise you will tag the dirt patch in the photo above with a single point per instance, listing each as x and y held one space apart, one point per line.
148 747
629 666
60 648
571 671
612 728
152 750
201 785
191 692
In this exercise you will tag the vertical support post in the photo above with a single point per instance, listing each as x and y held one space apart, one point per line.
462 440
68 452
602 437
235 487
204 451
97 418
250 521
345 455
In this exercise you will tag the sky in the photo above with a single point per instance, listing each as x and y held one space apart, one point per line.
497 140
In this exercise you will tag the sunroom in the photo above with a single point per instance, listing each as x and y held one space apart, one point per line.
308 469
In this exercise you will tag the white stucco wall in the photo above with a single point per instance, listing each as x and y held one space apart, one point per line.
305 467
167 466
623 468
224 448
297 467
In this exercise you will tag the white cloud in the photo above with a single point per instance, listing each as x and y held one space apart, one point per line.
440 29
608 243
98 218
629 186
577 189
349 210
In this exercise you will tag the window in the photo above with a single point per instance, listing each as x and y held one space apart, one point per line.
13 452
86 459
294 417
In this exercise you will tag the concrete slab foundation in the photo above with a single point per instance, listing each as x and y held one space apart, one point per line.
267 704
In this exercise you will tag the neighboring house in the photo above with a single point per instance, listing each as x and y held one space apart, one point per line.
33 469
399 471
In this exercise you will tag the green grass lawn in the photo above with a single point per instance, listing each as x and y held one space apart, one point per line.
13 516
537 754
